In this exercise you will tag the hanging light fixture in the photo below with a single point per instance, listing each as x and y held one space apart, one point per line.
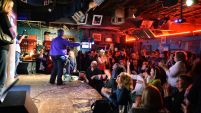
191 2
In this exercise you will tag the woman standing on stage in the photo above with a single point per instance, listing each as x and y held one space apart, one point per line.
6 7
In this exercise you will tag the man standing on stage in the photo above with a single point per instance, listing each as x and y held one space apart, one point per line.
58 52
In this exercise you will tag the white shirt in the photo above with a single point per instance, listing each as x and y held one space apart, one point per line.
172 73
139 86
17 47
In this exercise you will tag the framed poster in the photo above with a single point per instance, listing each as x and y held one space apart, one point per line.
83 20
97 19
96 36
163 40
147 47
80 18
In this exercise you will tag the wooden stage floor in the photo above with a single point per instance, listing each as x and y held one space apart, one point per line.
73 97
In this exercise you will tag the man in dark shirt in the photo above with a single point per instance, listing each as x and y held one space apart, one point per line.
92 75
58 52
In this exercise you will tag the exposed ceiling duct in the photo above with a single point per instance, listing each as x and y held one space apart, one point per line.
144 34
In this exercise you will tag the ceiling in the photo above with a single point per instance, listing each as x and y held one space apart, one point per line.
161 12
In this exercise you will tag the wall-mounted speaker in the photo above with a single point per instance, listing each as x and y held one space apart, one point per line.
119 16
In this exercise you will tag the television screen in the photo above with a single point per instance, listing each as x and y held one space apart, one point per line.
86 45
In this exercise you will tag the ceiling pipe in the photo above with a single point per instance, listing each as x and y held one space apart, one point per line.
194 10
165 11
193 15
152 7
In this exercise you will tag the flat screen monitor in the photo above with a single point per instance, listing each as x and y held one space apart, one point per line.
86 45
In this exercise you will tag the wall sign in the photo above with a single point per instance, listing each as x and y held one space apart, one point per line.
96 36
97 19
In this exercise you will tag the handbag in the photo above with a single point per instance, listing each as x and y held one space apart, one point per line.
103 106
4 38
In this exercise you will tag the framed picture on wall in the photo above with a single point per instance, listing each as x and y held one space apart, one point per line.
148 48
96 36
80 18
83 20
163 40
97 19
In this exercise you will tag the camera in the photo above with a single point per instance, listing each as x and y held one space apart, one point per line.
25 33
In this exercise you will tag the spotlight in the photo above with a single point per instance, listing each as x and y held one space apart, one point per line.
189 2
179 20
176 21
49 10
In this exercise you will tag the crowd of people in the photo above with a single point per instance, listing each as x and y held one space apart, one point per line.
155 82
141 82
158 82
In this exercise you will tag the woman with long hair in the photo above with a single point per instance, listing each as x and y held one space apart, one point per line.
6 7
121 96
152 101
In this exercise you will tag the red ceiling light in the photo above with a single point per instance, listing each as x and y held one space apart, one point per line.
108 39
130 38
180 33
173 34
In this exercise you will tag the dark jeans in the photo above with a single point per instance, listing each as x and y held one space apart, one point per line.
57 71
3 66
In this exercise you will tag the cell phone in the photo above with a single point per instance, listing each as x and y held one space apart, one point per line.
24 31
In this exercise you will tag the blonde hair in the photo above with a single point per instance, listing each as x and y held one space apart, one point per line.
71 53
3 4
125 80
152 99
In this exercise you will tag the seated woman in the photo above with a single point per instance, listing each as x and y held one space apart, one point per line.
153 75
173 101
117 68
139 80
71 63
41 62
121 96
151 101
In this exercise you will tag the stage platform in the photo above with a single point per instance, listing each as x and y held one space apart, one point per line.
73 97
